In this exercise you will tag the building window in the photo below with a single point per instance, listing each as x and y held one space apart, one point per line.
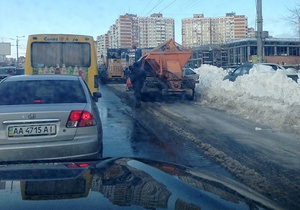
281 50
294 51
269 50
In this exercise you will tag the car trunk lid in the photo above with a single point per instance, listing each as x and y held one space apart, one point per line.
30 123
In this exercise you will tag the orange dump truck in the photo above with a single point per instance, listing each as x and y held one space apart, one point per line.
164 66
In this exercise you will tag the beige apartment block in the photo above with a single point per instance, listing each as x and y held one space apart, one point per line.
200 30
130 31
299 26
127 30
155 30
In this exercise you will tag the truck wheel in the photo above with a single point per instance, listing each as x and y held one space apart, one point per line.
191 95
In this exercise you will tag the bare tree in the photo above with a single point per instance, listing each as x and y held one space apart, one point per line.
294 19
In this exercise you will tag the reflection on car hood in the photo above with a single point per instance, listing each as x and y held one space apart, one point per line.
121 182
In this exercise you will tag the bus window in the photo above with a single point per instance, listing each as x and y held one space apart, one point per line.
69 54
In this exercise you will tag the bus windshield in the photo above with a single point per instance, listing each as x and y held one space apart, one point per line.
53 54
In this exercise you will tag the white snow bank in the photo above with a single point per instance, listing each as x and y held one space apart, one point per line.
266 96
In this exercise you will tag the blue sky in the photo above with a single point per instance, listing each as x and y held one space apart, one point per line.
94 17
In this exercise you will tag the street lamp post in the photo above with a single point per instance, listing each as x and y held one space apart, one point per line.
17 45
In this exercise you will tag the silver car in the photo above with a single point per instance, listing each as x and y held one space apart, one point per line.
245 69
190 73
48 117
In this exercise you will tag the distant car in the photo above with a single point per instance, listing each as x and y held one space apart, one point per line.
245 68
229 69
6 71
294 68
48 117
190 73
19 71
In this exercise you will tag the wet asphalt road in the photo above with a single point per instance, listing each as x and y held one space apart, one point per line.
124 137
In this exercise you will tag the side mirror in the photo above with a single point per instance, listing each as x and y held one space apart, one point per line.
96 96
230 71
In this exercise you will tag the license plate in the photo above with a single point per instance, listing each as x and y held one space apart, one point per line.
31 130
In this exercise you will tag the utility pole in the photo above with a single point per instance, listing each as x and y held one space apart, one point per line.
17 45
259 34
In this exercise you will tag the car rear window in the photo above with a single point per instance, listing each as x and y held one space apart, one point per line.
41 91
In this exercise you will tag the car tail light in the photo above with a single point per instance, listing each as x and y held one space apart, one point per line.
80 118
37 101
77 165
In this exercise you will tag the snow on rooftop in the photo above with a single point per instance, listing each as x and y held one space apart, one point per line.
269 98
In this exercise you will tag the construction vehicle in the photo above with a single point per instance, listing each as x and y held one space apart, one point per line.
164 67
114 65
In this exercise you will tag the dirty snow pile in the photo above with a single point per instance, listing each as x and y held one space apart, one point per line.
267 97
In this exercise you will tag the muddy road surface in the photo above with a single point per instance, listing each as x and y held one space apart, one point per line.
256 155
124 136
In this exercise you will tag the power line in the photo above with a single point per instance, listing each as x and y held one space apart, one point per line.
146 6
181 8
192 5
167 6
155 6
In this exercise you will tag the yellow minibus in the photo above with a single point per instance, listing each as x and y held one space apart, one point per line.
63 54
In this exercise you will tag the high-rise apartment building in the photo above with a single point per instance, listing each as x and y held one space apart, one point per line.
155 30
199 30
113 34
250 32
126 25
299 26
132 31
102 44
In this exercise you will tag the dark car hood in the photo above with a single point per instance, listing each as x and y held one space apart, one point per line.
121 183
